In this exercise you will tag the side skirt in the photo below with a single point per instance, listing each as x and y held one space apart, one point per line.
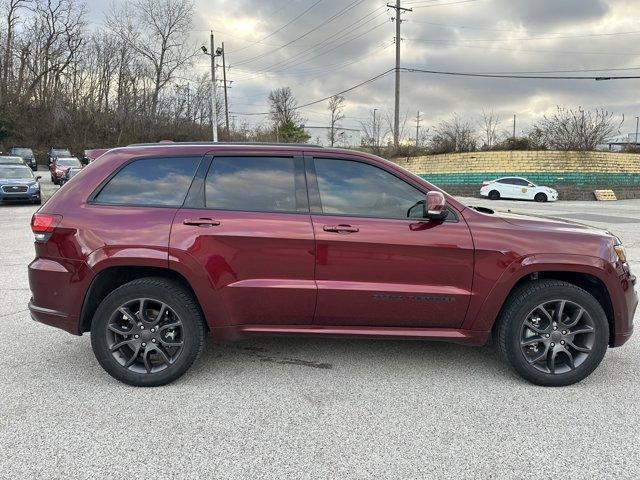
466 337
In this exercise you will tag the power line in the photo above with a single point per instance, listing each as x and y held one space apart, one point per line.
361 84
297 17
309 32
445 4
528 50
349 29
512 76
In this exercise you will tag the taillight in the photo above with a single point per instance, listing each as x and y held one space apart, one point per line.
484 184
43 225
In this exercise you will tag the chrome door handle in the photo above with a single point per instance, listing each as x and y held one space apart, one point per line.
340 228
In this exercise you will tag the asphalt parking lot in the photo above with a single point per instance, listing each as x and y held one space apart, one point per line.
309 408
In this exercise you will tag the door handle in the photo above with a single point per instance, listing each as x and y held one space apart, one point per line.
201 222
340 228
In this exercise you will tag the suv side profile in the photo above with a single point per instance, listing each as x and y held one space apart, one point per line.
156 246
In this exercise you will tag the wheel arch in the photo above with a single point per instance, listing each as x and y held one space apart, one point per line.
592 274
110 278
586 281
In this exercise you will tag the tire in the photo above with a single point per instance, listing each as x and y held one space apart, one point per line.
540 197
187 338
554 367
494 195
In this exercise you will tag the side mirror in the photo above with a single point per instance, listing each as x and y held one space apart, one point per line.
436 206
39 177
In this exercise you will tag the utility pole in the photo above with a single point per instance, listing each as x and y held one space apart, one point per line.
226 102
214 113
514 126
396 117
418 129
637 125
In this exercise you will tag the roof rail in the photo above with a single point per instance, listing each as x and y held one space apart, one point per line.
266 144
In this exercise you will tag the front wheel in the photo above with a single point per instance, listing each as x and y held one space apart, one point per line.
552 333
147 332
540 198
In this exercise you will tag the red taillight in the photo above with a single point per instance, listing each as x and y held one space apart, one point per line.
484 184
43 225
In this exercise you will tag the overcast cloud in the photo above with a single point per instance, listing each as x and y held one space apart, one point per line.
474 36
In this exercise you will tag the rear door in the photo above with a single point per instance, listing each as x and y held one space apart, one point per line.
246 227
379 262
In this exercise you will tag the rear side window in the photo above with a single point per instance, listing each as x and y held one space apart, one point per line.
160 182
253 184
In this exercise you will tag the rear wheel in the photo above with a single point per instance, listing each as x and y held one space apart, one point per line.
494 195
540 197
552 333
147 332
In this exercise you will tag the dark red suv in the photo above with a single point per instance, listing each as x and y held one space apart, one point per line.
151 247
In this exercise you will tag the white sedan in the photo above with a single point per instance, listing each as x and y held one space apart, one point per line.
517 188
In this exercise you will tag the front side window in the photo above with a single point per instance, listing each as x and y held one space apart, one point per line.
253 184
358 189
151 182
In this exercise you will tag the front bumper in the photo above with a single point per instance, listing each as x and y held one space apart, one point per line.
20 197
628 305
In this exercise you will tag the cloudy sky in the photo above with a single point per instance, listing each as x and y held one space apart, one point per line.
320 47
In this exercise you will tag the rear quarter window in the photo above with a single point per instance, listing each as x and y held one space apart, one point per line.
162 182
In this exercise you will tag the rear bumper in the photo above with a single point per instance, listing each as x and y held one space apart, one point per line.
54 318
58 287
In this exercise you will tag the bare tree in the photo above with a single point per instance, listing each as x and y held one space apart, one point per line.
579 129
489 125
371 129
11 9
453 135
158 30
336 110
284 107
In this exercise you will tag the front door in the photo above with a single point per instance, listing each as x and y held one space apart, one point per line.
249 231
378 261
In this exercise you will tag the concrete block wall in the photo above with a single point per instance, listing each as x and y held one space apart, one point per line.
574 174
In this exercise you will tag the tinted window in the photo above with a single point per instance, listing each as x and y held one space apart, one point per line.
153 181
23 152
258 184
521 182
354 188
508 181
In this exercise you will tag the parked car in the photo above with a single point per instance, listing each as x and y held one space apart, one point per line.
18 184
69 174
27 155
60 167
161 244
54 153
12 160
517 188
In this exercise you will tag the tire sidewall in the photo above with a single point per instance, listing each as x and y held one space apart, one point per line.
192 329
520 311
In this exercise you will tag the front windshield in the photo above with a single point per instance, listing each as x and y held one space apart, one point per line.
69 162
23 152
16 173
60 152
11 161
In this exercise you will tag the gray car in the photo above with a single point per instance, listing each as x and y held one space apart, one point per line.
18 184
